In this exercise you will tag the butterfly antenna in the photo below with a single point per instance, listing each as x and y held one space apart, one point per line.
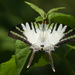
31 58
51 61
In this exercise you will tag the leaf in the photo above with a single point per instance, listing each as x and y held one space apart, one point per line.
39 18
41 62
62 18
54 14
54 9
37 9
9 67
22 53
71 47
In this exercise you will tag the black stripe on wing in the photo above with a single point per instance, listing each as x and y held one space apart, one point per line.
66 41
57 26
33 25
11 34
17 33
52 27
30 25
68 37
19 30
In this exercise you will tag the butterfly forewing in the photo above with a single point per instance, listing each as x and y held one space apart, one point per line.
22 32
63 34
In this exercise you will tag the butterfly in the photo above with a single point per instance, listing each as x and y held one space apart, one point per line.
43 36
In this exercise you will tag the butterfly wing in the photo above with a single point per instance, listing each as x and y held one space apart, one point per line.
25 32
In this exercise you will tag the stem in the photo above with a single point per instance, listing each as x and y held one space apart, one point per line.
67 63
68 66
67 52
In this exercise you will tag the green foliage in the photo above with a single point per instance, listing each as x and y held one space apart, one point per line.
63 18
42 14
37 9
39 18
54 9
22 53
71 47
53 15
9 67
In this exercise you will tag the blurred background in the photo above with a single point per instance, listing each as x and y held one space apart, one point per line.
13 12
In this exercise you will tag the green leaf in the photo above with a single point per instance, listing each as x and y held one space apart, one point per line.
54 9
22 53
9 67
62 18
41 62
54 14
39 18
71 47
37 9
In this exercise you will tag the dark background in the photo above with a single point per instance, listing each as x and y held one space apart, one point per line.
13 12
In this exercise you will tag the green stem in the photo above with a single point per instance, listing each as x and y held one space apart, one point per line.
68 66
67 52
67 63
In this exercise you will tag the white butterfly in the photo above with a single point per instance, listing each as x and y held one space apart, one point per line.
42 36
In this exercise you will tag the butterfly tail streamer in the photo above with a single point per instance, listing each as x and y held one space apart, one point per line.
31 58
51 61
